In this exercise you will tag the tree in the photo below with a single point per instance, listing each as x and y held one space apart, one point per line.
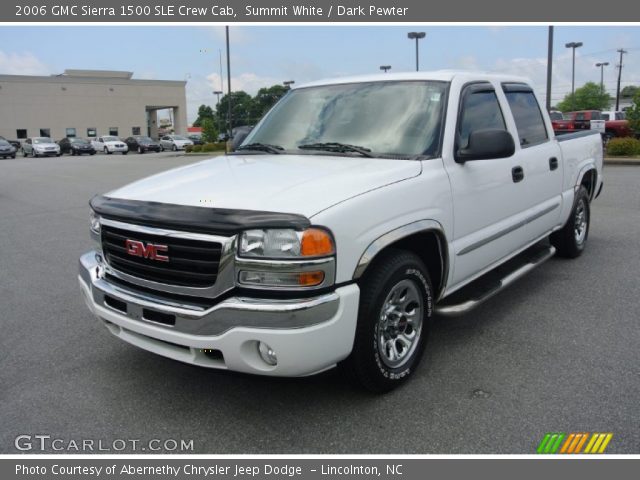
204 111
209 130
633 113
241 110
587 97
629 91
265 99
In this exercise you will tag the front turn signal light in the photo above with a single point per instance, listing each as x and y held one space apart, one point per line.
316 242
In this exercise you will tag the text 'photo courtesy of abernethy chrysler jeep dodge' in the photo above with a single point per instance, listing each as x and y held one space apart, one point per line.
355 211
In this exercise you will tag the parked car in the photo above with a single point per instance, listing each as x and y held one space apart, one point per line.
335 236
579 121
7 150
196 138
40 146
142 144
76 146
109 144
16 144
174 142
613 115
616 124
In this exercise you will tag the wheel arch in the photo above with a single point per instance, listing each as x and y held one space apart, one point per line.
588 177
425 238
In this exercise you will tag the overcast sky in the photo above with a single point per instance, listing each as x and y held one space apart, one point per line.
265 55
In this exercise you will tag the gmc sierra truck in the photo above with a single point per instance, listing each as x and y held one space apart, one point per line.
355 211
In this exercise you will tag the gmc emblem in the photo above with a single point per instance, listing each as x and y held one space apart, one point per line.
149 250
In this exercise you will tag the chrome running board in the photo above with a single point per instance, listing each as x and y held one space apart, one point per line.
485 287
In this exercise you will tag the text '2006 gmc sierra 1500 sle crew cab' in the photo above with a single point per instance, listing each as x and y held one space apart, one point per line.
354 211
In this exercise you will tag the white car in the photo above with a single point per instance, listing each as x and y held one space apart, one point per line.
174 142
351 214
40 146
109 144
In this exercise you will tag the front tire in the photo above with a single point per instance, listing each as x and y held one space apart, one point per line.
140 151
174 148
571 240
394 319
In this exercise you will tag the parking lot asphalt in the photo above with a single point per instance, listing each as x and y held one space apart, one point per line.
556 352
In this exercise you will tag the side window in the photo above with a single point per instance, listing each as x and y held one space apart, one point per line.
605 116
580 116
528 117
480 111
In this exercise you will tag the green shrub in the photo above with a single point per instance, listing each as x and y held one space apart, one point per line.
625 146
195 148
188 148
213 147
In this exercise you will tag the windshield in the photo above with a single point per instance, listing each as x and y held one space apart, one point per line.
143 139
178 137
78 140
110 139
4 143
42 140
389 118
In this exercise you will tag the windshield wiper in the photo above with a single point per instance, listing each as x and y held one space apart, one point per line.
337 147
262 147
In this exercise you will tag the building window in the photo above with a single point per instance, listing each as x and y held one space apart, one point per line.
45 132
92 132
135 130
113 131
21 133
71 132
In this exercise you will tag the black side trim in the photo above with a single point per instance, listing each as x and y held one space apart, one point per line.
570 136
219 221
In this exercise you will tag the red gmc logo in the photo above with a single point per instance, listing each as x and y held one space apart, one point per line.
149 250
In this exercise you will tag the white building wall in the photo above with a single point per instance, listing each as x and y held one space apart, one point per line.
62 102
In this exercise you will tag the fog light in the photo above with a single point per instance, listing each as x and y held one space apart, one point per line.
267 354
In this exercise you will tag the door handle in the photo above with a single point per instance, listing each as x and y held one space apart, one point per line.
553 163
517 173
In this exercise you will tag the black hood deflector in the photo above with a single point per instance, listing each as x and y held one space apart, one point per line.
217 221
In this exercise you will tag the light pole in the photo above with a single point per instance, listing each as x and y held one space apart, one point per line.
217 93
573 45
417 36
601 66
288 83
621 51
385 68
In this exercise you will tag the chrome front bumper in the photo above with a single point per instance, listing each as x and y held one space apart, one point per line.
308 334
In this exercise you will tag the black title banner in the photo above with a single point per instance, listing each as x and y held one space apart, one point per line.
321 11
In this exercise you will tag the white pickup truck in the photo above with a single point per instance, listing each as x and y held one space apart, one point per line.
354 211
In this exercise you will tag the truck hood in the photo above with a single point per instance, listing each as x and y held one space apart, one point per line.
302 184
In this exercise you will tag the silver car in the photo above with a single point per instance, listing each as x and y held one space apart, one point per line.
40 147
174 142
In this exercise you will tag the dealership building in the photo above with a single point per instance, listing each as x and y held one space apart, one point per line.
88 103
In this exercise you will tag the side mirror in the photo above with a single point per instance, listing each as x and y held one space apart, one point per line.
487 144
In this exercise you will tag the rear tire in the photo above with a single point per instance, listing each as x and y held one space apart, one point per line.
394 320
571 240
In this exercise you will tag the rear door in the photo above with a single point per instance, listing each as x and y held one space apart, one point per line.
540 157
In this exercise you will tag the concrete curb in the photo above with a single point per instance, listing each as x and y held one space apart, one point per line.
622 161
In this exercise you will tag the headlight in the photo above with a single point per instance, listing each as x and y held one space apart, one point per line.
94 222
286 259
286 243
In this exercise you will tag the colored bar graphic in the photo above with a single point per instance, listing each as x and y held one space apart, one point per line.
572 443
